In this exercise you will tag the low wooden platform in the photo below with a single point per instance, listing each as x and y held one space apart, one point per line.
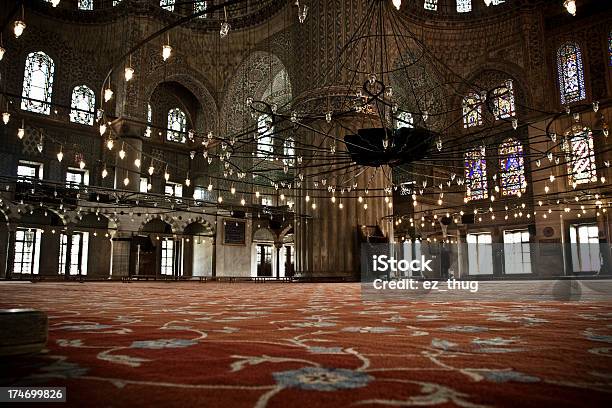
24 331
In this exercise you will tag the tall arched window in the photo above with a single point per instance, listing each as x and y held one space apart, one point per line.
167 4
464 6
476 175
610 48
571 73
289 150
200 5
38 83
265 143
404 120
503 101
148 131
85 5
472 110
83 105
177 126
581 163
511 163
430 5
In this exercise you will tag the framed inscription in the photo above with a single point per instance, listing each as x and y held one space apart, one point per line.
234 232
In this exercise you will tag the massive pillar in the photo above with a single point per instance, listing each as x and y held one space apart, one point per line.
130 139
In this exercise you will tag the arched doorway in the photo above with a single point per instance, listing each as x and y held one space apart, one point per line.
154 251
263 254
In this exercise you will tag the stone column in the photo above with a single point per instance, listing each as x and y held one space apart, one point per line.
327 242
10 251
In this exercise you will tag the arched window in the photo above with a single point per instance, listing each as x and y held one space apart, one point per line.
404 120
289 150
464 6
265 143
476 175
430 5
177 125
85 5
38 83
200 5
503 101
148 131
83 105
511 163
610 48
571 73
167 4
581 163
472 110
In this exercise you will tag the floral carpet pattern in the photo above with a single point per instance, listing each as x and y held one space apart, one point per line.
309 345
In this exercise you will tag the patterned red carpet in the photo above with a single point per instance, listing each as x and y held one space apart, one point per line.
309 345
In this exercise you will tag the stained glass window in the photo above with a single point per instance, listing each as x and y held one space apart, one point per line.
83 105
199 6
167 4
464 6
38 83
571 73
503 101
289 151
431 5
610 48
476 174
265 143
85 5
472 110
148 131
581 163
177 125
115 2
404 120
511 162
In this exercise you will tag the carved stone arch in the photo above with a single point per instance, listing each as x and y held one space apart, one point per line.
491 72
163 218
251 78
194 82
264 234
198 220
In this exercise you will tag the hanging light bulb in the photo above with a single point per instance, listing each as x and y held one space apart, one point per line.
110 144
302 13
151 170
21 132
233 190
167 175
225 27
595 104
19 27
242 201
104 172
220 199
6 117
102 128
129 73
122 153
166 50
137 162
82 164
397 4
487 2
187 181
126 180
210 187
108 94
2 50
570 6
54 3
60 155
